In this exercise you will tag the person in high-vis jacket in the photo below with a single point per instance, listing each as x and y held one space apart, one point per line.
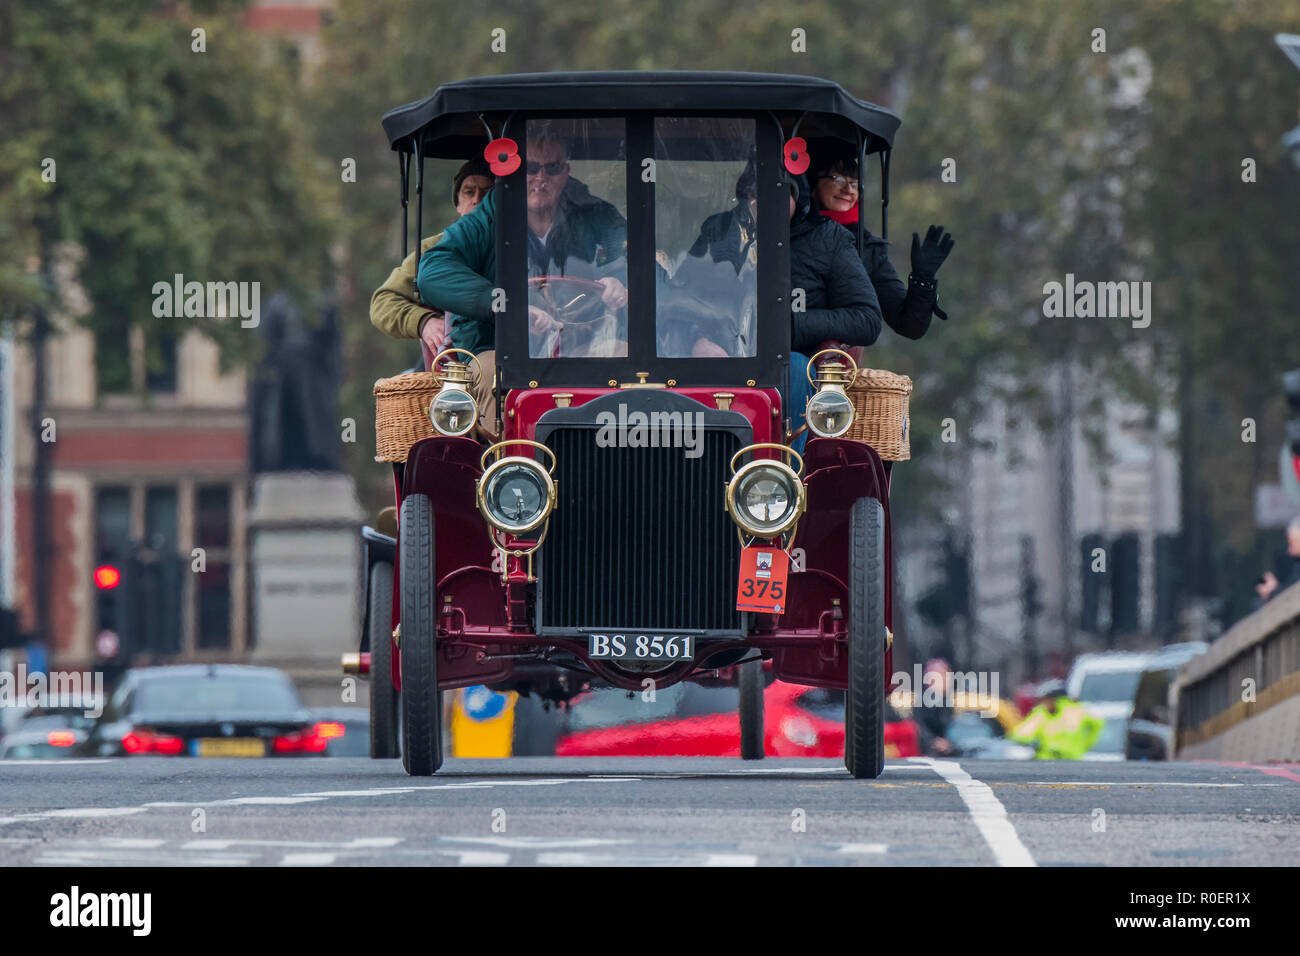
1059 728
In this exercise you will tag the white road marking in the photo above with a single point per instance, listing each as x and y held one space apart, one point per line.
988 813
862 848
535 843
1140 783
478 857
309 859
730 859
73 813
70 762
376 792
360 843
234 802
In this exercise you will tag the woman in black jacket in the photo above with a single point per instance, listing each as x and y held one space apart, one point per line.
906 308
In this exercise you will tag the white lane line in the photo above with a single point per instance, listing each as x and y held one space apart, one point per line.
233 802
730 859
988 813
536 843
73 813
360 843
69 762
862 848
376 792
478 857
1146 783
308 859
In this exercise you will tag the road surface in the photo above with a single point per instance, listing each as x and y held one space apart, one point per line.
642 812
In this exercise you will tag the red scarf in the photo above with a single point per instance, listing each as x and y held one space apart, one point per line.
848 217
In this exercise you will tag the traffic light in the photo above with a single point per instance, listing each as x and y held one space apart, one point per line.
111 597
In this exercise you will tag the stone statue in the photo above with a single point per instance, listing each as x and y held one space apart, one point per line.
292 410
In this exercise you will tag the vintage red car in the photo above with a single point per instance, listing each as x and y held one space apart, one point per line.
641 483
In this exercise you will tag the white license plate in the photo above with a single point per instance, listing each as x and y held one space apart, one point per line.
614 646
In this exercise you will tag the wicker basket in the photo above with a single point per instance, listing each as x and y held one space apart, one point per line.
880 412
402 413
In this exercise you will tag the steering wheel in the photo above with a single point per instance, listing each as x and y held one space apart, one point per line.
571 301
576 304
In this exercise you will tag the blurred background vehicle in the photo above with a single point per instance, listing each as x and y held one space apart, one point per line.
345 730
49 732
1110 677
692 720
213 710
1149 735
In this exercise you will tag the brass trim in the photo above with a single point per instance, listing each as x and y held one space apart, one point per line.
351 663
563 399
723 400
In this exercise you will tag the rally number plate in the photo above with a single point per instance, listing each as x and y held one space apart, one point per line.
615 646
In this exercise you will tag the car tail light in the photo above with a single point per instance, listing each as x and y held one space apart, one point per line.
330 730
309 740
61 738
147 742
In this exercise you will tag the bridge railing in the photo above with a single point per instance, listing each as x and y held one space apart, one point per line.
1240 700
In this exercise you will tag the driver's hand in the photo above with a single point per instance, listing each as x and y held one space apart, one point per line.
540 321
705 348
433 331
615 294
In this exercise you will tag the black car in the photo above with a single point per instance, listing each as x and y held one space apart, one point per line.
346 730
213 710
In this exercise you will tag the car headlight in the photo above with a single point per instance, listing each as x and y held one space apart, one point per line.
453 411
765 498
516 495
830 413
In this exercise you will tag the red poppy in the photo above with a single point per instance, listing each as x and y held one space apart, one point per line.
797 159
502 156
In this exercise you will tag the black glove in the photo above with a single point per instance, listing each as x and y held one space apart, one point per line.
928 256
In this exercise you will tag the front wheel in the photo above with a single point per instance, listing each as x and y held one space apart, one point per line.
383 698
421 702
864 716
751 710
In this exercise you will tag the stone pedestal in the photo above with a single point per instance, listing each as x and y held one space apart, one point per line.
306 567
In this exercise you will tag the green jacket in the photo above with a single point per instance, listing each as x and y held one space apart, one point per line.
1066 735
454 274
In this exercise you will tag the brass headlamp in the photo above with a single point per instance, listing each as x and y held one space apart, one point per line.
453 410
830 412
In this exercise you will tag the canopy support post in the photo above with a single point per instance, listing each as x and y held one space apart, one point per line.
884 192
404 170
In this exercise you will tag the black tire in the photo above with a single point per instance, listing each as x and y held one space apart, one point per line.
421 702
383 697
864 713
751 711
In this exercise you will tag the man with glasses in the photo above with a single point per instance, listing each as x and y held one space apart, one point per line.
571 233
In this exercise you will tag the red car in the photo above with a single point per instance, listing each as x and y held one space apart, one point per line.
689 720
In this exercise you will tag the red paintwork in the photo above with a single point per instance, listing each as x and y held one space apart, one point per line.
806 643
718 735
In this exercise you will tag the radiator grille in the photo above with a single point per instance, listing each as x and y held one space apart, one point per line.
640 538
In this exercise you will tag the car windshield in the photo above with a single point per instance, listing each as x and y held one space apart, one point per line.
1112 738
614 708
967 730
56 720
576 185
219 694
1110 685
706 229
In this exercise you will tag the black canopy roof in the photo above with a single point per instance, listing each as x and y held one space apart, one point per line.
449 126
